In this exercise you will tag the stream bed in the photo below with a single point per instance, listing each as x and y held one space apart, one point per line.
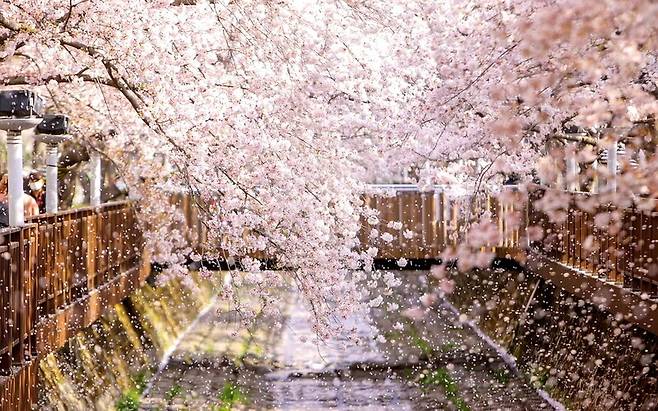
438 363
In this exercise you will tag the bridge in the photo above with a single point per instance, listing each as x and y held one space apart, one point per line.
61 271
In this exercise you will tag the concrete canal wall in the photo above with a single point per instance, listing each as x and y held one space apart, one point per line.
583 356
106 366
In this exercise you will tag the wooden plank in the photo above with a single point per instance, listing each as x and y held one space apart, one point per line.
407 204
427 226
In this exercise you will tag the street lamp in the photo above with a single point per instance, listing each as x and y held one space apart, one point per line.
54 129
19 110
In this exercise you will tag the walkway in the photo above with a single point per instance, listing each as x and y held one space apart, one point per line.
433 365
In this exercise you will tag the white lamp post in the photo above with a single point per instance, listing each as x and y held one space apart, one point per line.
19 110
572 169
96 180
52 131
612 167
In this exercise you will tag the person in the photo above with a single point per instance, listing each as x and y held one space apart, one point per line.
30 206
35 185
4 206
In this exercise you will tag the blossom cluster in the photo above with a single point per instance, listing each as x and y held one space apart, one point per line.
273 117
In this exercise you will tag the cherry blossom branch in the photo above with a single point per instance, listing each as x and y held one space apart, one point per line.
482 73
59 78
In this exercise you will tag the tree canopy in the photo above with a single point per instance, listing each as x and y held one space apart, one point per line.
275 115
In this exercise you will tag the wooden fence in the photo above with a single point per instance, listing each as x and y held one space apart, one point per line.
435 221
195 232
627 257
57 274
17 308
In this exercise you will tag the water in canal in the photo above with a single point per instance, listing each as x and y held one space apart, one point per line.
435 364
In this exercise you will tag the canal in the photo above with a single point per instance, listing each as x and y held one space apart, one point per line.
394 363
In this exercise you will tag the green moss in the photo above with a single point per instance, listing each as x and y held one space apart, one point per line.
129 401
422 344
501 375
209 348
392 335
442 378
230 396
140 380
173 392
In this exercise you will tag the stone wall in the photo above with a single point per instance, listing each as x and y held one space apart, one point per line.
107 365
587 358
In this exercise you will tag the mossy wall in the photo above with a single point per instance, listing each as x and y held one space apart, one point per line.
586 358
106 366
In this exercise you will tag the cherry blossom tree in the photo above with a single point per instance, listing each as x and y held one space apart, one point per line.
274 117
259 110
521 89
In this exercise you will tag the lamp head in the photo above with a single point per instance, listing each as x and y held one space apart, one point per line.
55 124
20 109
53 129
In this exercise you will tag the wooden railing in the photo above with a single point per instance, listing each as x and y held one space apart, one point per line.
81 250
50 271
17 308
627 258
195 232
436 220
197 236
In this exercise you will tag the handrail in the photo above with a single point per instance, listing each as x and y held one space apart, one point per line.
9 230
53 261
622 258
436 223
433 220
110 204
